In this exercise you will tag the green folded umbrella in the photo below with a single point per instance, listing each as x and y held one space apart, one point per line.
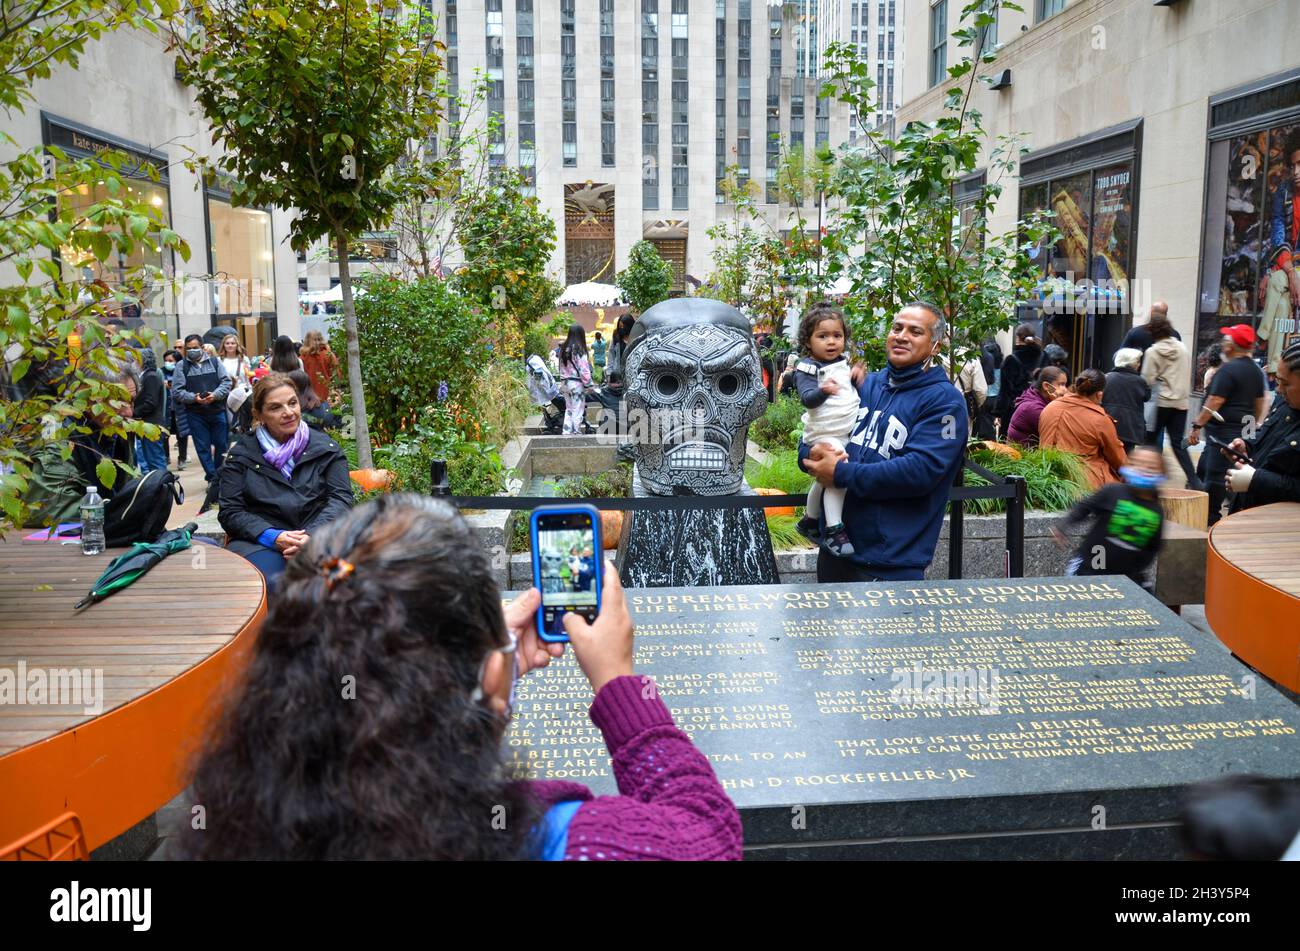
127 567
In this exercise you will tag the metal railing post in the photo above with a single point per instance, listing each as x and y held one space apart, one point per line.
956 529
1016 528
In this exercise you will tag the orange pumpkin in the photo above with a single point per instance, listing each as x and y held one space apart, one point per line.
372 479
611 529
1004 448
775 509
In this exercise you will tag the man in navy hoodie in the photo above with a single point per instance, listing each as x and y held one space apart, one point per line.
901 460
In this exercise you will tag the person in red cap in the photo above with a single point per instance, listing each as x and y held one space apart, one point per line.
1233 407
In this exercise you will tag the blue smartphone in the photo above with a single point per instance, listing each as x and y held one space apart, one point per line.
567 565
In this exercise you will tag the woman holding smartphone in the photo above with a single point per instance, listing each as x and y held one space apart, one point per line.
371 717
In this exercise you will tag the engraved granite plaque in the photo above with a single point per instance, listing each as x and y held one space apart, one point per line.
1051 717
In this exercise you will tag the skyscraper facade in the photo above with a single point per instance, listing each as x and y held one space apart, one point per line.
625 116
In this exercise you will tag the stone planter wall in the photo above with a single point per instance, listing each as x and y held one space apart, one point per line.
564 456
983 551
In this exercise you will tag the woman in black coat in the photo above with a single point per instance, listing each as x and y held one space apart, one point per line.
282 482
1023 360
1125 397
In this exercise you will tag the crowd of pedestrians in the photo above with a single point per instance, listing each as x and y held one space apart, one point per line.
1144 398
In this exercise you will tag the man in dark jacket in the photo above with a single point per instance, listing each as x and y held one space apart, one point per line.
901 459
1016 369
1125 397
151 407
269 517
1273 474
1139 337
201 384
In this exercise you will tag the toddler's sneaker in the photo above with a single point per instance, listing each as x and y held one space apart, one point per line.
807 527
837 541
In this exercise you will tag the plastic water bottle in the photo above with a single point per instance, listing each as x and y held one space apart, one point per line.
92 523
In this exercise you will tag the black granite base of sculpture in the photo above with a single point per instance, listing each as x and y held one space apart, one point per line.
696 547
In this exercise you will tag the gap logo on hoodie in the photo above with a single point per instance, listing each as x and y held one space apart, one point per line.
895 435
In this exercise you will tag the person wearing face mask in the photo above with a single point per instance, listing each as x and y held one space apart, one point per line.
414 767
1077 423
282 482
1124 538
177 424
200 384
1025 357
902 456
1048 384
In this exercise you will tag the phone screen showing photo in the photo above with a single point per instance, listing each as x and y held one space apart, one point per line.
568 568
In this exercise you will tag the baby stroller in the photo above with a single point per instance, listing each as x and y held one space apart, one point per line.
544 393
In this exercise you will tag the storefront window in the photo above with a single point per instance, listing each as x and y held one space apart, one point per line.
1072 204
1084 299
144 308
141 301
242 259
1252 233
380 247
1252 219
1034 198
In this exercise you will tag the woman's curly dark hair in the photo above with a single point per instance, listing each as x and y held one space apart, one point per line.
814 315
412 767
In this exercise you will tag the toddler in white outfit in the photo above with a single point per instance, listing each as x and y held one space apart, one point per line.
823 379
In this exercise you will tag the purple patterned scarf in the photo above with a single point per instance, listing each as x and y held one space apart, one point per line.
284 455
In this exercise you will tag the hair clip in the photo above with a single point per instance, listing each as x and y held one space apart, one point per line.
334 570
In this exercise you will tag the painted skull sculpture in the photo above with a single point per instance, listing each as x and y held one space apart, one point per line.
695 384
552 568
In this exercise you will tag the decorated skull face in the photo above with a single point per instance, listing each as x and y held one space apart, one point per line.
694 385
552 563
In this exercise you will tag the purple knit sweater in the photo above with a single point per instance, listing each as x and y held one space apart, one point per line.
671 805
1023 425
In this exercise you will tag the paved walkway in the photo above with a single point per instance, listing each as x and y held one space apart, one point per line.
195 489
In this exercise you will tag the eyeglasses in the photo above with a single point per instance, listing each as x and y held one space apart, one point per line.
512 649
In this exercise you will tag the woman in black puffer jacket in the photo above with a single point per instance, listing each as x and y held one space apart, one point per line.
282 482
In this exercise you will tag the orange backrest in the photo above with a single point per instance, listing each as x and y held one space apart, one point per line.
60 840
